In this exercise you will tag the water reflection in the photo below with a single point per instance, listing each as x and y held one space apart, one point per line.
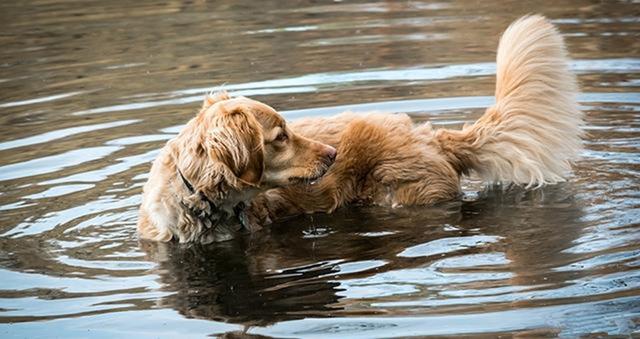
461 259
464 259
236 282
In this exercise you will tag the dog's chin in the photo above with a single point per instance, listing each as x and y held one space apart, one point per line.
311 179
291 181
304 180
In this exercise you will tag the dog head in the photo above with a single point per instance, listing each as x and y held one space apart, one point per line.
253 141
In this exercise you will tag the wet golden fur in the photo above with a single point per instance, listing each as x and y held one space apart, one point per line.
530 137
233 149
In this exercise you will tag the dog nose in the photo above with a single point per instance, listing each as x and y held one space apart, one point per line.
331 154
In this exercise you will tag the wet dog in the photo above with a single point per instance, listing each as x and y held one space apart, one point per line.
233 149
530 137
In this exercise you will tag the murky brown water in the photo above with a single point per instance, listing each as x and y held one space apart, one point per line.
90 91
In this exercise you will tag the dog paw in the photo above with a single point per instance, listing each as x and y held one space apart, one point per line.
254 217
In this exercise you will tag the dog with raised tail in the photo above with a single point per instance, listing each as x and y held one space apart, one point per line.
530 137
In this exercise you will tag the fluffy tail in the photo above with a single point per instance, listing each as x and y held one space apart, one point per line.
533 132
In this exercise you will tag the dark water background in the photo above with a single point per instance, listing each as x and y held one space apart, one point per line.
90 91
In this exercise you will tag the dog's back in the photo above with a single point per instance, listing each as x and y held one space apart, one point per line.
530 136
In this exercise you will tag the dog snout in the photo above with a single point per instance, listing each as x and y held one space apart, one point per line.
330 155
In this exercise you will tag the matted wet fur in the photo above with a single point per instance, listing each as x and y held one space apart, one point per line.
233 149
530 137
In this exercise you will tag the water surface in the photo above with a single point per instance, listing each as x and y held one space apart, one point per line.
90 91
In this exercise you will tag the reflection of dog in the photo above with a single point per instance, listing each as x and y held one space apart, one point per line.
237 281
219 160
282 274
530 136
288 273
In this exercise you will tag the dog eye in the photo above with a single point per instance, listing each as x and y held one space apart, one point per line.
282 137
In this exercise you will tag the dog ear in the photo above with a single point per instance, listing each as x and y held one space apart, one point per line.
213 98
252 173
235 139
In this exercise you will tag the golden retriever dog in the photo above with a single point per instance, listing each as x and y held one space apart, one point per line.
232 149
530 136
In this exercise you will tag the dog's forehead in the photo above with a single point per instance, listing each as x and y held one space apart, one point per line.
265 114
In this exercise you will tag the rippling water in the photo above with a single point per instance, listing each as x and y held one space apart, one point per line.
90 91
